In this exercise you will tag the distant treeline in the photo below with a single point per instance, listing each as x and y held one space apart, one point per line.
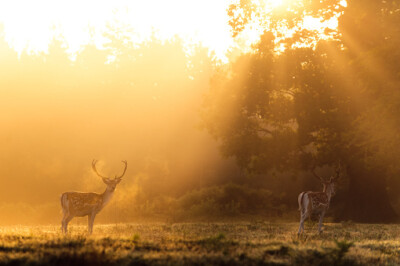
275 115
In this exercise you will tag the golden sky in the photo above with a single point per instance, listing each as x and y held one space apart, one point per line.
32 25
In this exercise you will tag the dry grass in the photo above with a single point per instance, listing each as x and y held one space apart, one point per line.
252 243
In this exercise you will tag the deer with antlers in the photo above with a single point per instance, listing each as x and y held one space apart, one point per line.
88 203
317 202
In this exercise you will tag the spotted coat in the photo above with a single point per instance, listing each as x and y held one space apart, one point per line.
82 204
319 201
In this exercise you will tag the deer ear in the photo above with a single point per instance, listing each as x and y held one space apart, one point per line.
106 180
118 180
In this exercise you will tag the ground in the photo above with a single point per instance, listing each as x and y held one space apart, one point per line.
244 243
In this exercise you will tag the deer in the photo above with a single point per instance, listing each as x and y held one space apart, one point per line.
317 202
80 204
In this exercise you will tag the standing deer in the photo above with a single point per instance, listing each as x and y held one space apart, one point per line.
88 203
317 202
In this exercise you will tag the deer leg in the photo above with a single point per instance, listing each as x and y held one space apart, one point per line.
303 217
321 217
91 222
67 218
307 214
62 222
301 222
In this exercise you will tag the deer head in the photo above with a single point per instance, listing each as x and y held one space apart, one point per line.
328 185
111 183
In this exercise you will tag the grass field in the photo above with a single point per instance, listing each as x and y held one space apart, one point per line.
251 243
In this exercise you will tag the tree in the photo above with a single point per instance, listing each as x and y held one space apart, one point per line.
314 105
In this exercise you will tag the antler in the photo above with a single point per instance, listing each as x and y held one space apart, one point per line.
337 170
317 176
126 166
314 173
94 169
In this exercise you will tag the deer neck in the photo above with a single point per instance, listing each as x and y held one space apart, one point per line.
107 195
328 193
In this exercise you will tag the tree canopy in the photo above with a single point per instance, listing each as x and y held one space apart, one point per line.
336 100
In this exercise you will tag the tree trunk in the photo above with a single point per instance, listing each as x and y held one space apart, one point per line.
366 199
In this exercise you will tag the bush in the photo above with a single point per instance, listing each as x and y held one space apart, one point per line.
227 201
215 202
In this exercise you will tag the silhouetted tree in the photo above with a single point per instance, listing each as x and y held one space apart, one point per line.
314 105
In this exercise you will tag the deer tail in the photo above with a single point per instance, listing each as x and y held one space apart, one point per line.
64 202
300 199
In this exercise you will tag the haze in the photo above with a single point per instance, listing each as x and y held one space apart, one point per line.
220 108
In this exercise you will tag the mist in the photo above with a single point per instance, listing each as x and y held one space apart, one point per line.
57 115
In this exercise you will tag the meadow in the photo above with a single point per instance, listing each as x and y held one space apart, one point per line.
240 243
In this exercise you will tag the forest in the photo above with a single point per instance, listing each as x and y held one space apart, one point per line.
207 140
